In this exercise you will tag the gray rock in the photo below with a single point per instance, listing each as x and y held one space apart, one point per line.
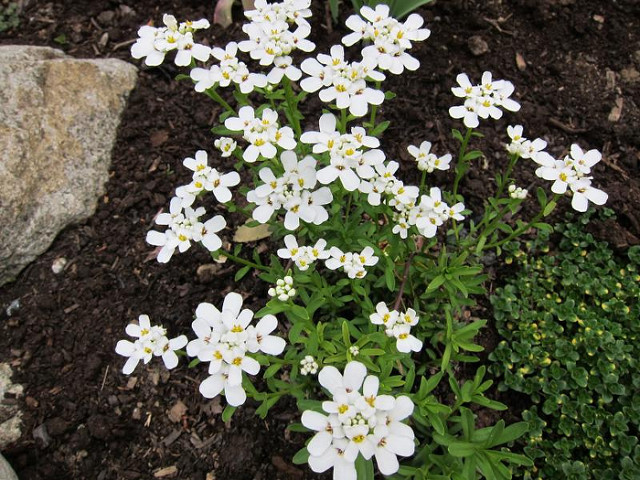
58 122
6 472
10 415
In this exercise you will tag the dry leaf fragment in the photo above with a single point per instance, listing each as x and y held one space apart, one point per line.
177 411
158 138
166 472
616 111
245 234
520 63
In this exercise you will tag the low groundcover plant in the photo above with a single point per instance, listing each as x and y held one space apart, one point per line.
570 323
370 278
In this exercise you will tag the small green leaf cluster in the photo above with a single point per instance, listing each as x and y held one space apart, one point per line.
570 323
8 16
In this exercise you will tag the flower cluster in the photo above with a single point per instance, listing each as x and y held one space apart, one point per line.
342 82
229 70
270 40
390 39
348 159
308 366
352 263
366 424
427 161
293 191
427 216
184 226
206 178
570 174
225 338
303 256
483 100
263 133
155 42
150 341
284 289
398 324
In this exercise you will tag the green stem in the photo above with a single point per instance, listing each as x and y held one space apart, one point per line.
242 261
292 106
423 180
216 96
463 165
524 228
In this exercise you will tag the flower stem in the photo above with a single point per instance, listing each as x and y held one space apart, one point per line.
242 261
292 106
211 92
463 165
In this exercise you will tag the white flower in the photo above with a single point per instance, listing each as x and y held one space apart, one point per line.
154 43
345 83
390 39
354 350
583 161
226 339
358 423
427 161
150 341
405 341
226 145
583 193
482 101
384 316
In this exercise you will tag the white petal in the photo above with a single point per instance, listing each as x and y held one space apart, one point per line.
130 365
330 378
236 396
387 461
354 374
314 420
212 386
272 345
320 442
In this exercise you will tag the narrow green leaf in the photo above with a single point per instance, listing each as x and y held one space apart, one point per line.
227 413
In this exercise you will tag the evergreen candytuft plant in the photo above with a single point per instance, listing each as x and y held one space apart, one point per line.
371 278
570 326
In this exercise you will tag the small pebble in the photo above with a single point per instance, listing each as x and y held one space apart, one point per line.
58 265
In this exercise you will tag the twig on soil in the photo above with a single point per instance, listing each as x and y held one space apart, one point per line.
566 128
495 24
118 46
611 165
104 378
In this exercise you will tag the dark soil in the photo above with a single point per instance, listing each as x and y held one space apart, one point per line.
83 419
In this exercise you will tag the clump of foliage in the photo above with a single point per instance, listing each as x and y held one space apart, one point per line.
8 16
570 323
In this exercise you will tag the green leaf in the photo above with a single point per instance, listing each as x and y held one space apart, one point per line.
462 449
301 457
388 95
379 129
549 208
402 8
346 336
227 413
242 272
364 468
542 197
435 283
